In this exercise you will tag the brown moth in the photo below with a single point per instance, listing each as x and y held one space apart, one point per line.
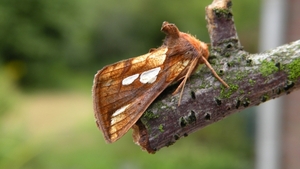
124 90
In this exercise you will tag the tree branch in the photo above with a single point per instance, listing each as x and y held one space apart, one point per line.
253 79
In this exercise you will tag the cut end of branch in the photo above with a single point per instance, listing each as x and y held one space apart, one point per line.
141 137
220 25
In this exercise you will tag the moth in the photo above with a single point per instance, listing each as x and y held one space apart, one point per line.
124 90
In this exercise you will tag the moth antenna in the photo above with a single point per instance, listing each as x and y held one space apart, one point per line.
214 72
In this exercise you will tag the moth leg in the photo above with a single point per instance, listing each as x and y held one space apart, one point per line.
188 74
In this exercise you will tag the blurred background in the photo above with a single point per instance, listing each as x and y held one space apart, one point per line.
49 53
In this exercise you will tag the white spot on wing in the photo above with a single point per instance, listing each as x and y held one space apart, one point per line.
128 80
120 110
149 76
118 116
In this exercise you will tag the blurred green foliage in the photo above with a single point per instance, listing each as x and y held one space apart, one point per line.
45 43
8 92
43 40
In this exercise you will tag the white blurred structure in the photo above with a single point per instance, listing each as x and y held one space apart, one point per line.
268 119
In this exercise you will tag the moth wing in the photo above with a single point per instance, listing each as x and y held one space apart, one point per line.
124 90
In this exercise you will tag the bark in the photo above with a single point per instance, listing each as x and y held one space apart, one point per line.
253 79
